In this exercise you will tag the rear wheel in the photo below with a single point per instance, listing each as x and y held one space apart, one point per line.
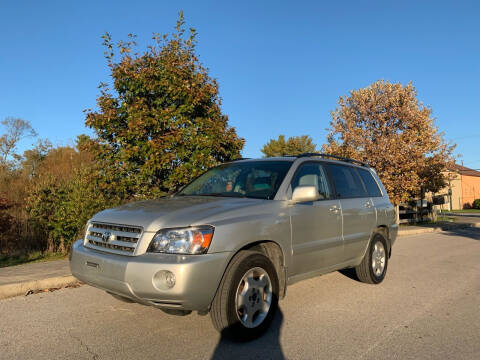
373 268
247 298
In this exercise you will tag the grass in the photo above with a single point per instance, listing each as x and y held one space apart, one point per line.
463 211
445 218
36 256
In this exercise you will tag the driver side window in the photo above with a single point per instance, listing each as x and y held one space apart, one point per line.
313 174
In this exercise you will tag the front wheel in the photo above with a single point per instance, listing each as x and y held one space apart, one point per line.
247 298
373 268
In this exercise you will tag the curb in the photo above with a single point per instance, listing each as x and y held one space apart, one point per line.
11 290
432 230
463 214
417 231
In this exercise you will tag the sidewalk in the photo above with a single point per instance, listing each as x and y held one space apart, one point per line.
471 214
20 279
459 223
405 230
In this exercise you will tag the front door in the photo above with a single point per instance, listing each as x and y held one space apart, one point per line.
316 226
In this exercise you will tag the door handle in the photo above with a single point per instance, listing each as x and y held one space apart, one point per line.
334 209
368 204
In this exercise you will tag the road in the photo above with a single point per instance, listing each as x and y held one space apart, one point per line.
427 308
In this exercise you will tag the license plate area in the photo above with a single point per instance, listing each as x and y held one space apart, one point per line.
92 265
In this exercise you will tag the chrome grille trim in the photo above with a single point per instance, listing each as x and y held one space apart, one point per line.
111 246
111 242
122 239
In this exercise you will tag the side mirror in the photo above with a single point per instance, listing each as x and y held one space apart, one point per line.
305 194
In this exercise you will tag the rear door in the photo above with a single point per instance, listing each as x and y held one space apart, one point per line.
317 225
382 204
359 216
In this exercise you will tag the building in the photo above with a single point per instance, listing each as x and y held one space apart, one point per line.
463 188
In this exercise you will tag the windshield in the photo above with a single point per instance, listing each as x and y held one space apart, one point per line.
252 179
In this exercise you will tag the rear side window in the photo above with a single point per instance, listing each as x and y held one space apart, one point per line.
346 181
313 174
370 183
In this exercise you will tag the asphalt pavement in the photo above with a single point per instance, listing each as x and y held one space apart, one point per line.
427 308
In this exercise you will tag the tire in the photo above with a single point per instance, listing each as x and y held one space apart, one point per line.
241 310
373 268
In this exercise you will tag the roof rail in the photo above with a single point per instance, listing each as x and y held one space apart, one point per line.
328 156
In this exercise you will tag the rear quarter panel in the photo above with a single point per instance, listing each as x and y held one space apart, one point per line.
385 212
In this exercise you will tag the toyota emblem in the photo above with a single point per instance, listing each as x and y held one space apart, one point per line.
106 236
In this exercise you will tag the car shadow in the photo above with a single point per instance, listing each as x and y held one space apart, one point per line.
350 273
469 232
266 347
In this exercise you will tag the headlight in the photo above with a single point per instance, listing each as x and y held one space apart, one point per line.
192 240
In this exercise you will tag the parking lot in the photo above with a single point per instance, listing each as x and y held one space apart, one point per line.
428 307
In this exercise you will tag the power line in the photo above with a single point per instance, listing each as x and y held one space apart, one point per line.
472 162
465 137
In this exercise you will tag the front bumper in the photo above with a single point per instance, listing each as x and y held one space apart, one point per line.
197 276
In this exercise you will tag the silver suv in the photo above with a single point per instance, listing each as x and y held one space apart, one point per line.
231 241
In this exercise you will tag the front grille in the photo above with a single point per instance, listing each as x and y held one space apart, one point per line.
114 238
123 228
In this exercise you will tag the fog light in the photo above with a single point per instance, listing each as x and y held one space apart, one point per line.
164 280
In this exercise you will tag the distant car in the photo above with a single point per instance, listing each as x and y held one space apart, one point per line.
231 241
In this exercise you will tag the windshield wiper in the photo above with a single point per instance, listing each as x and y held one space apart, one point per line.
210 194
225 194
229 194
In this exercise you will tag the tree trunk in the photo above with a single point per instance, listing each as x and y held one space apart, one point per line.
397 214
50 246
61 246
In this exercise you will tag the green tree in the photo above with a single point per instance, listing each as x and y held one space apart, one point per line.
293 146
386 126
476 204
162 125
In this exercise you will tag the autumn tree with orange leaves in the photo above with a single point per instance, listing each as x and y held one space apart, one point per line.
386 126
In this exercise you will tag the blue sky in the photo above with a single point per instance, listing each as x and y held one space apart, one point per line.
281 65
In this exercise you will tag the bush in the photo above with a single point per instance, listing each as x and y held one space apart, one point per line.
476 204
6 225
60 209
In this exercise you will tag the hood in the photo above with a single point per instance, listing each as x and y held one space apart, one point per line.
154 215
